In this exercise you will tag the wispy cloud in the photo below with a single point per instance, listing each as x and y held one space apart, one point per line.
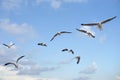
82 78
57 3
91 69
11 4
102 38
21 30
117 77
5 74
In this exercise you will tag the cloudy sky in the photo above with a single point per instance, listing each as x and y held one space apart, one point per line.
29 22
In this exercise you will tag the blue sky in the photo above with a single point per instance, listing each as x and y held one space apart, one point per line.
28 22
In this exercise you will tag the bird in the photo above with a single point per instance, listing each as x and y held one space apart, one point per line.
86 32
59 33
68 50
8 46
42 44
99 24
15 64
11 63
78 59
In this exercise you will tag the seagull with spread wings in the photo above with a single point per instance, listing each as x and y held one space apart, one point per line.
15 64
99 24
42 44
86 32
63 50
59 33
8 46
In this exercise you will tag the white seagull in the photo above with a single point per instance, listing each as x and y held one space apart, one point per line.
99 24
86 32
8 46
59 33
42 44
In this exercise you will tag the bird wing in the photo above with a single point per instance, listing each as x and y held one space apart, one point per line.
65 32
39 43
11 63
54 36
107 20
12 44
19 58
90 34
65 49
90 24
6 45
72 51
78 59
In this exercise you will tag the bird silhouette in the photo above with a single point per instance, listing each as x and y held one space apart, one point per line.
63 50
78 59
15 64
86 32
8 46
42 44
59 33
99 24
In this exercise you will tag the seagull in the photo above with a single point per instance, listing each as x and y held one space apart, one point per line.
15 64
99 24
59 33
78 59
68 50
8 46
42 44
88 33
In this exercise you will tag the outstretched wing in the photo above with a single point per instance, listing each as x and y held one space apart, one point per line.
71 51
107 20
90 24
81 30
65 50
90 34
65 32
10 63
6 45
54 36
19 58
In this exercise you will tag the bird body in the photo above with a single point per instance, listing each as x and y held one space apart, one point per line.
86 32
58 34
42 44
99 24
68 50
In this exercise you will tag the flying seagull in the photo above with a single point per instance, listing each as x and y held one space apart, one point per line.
42 44
78 59
15 64
99 24
59 33
8 46
68 50
88 33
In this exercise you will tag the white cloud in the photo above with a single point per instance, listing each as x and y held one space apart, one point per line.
11 4
17 30
91 69
56 4
83 78
6 74
117 77
102 38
